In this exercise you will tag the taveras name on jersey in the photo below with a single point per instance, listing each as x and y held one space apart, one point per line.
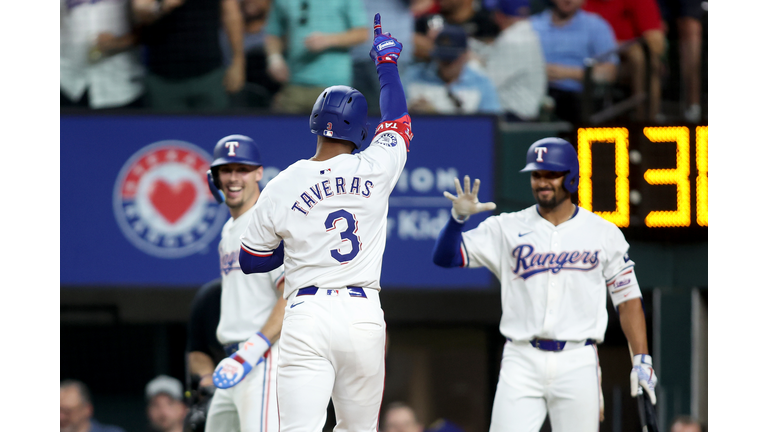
323 190
331 215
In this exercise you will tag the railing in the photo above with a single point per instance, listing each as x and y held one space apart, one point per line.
614 110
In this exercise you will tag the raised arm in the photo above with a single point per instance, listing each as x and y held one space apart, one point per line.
385 52
447 251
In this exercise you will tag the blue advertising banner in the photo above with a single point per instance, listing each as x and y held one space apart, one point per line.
136 210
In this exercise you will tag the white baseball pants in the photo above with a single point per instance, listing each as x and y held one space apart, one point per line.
251 405
533 382
332 346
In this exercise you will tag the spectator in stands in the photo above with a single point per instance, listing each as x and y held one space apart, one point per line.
399 417
99 59
420 8
685 424
184 59
515 61
165 404
399 22
685 17
76 410
260 87
569 36
632 19
448 85
308 48
477 23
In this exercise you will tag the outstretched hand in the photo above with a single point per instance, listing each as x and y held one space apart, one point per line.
465 201
386 49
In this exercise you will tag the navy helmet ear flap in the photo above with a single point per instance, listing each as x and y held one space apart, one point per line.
571 181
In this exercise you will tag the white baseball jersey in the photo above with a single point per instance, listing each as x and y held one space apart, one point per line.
553 278
331 215
246 300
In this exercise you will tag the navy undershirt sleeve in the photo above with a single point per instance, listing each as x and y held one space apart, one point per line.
250 263
392 97
447 251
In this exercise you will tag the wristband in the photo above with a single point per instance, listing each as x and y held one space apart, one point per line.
458 218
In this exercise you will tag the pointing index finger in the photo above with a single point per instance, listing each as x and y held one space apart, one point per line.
377 25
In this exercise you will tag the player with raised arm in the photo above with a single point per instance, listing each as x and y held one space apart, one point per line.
554 261
326 217
252 306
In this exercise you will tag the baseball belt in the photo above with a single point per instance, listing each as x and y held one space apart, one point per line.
312 290
557 345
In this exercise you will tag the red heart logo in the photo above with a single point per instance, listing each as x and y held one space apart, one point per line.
172 201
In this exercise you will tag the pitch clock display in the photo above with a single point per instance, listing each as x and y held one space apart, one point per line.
652 177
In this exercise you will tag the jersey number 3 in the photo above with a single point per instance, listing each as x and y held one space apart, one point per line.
348 235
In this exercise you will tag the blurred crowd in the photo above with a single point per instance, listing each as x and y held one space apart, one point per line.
526 60
166 411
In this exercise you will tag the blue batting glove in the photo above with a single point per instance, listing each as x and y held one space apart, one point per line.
230 371
234 368
386 49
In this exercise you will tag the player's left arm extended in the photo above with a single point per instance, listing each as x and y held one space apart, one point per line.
385 53
448 251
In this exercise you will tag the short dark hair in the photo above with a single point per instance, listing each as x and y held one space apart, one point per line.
82 389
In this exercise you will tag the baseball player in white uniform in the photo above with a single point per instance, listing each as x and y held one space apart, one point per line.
326 217
555 261
252 306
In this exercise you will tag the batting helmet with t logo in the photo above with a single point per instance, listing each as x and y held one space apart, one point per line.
231 149
554 154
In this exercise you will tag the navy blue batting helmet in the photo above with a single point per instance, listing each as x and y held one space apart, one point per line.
340 112
231 149
554 154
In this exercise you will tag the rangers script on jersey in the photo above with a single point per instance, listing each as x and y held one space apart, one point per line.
332 215
553 278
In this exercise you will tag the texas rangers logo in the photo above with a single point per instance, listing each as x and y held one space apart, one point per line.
162 203
529 263
539 153
386 139
231 145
